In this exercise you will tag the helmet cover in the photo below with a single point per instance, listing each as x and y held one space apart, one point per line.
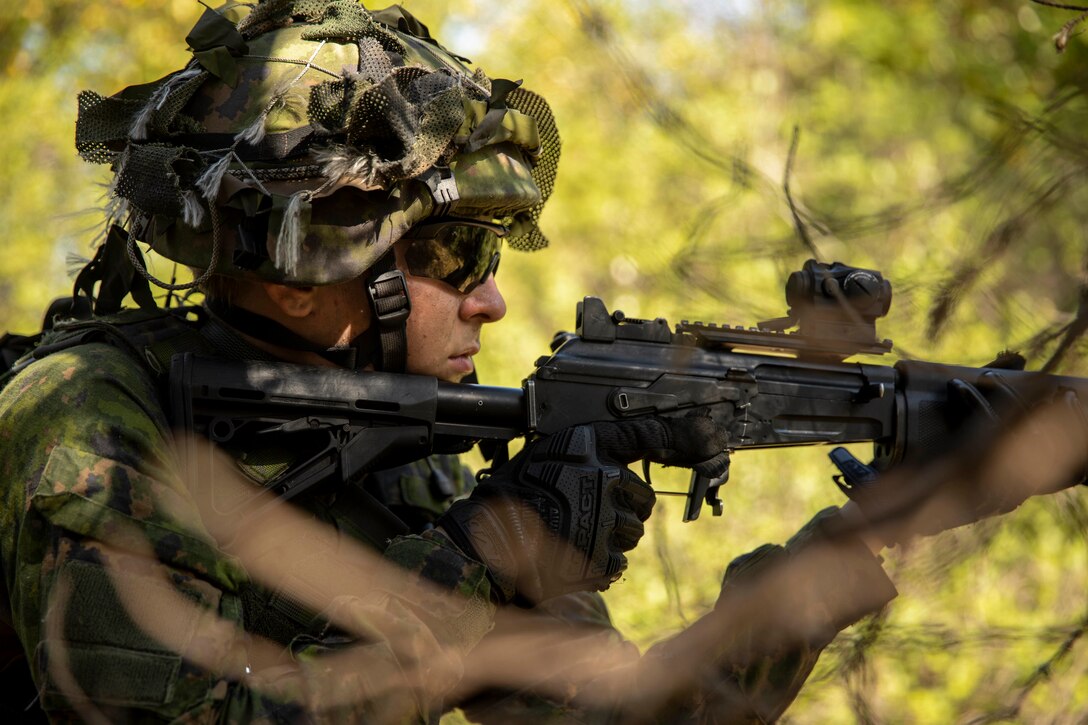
307 136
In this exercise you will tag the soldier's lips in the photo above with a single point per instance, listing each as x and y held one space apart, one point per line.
461 363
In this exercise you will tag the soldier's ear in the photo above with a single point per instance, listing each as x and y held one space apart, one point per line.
292 301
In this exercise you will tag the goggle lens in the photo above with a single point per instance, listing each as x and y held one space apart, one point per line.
463 253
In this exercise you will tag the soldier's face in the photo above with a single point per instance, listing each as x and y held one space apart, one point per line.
444 326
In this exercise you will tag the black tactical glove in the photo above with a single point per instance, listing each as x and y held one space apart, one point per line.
1014 444
560 516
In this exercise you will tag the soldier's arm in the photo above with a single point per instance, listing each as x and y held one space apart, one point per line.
744 662
779 607
818 583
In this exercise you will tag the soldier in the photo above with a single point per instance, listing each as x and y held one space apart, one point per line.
343 186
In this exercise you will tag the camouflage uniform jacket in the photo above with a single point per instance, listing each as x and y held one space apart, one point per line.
126 603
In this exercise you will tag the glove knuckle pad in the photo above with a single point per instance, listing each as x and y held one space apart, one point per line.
634 495
628 531
574 445
617 564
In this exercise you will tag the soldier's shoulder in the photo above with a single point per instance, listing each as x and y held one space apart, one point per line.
87 393
78 368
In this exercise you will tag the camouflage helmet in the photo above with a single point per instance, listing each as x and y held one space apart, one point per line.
306 137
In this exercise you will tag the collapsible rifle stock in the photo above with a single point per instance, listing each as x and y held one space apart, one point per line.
766 386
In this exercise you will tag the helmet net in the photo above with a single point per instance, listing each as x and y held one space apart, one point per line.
347 94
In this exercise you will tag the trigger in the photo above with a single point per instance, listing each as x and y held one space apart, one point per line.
646 473
704 489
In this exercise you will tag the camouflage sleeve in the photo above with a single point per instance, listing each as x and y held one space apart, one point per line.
779 607
419 493
744 662
128 608
579 629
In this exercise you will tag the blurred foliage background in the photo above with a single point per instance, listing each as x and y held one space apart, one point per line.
942 143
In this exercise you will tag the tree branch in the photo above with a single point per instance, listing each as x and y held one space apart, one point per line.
1061 6
798 222
1061 38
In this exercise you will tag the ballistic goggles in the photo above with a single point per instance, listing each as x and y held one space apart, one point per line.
460 251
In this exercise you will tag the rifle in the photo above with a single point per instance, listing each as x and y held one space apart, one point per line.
767 386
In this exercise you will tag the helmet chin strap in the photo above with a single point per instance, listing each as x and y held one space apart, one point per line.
387 292
383 345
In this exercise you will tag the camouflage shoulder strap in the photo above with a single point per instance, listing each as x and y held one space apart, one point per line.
151 337
14 347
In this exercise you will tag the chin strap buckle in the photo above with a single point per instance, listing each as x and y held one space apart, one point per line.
390 305
389 301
